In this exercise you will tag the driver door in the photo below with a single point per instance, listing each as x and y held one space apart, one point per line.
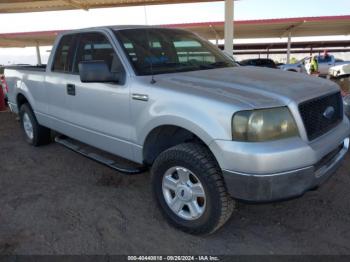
100 111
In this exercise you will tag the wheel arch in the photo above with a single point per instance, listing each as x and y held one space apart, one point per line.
21 100
165 136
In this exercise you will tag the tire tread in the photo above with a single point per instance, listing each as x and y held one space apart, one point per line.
202 156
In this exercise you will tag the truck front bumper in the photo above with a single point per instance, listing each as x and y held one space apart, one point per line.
271 171
279 186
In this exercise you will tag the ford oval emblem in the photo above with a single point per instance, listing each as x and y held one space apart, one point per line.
329 112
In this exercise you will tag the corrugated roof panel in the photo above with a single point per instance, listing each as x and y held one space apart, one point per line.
303 26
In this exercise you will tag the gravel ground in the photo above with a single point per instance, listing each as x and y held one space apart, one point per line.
54 201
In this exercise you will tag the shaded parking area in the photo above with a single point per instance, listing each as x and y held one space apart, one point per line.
54 201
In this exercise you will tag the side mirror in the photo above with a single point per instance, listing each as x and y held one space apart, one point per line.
98 72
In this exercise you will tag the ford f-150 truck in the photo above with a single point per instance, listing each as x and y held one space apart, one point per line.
212 132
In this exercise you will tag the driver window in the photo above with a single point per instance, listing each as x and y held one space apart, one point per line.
96 47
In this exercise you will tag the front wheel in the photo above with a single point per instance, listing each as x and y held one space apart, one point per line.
189 187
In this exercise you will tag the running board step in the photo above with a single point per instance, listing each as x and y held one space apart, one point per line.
100 156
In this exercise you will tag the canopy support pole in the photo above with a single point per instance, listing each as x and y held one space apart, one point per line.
229 26
216 35
38 56
289 46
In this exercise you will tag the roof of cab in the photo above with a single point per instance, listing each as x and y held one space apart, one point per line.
118 28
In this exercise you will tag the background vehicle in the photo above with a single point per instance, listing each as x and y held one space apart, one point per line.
298 67
339 71
4 87
324 64
260 62
169 100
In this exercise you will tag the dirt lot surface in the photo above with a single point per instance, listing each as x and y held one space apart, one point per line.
54 201
344 84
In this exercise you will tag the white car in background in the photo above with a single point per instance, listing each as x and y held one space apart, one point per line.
340 71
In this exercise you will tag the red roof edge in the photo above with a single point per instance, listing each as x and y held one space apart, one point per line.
45 33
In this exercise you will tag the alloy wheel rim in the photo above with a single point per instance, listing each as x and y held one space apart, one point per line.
28 126
184 193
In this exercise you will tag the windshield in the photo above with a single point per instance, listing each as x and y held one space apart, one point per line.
160 51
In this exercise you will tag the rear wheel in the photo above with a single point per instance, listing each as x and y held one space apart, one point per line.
190 189
35 134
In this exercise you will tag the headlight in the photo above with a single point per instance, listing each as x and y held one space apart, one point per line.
263 125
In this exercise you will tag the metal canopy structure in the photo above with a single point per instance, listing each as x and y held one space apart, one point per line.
275 28
46 38
28 39
312 26
18 6
295 45
307 26
300 47
21 6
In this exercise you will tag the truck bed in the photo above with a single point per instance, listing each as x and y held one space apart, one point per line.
31 77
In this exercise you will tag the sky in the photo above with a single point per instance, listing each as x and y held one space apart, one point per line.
153 15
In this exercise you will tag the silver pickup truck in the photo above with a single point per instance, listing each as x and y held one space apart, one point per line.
210 130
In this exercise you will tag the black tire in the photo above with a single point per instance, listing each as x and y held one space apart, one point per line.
41 134
199 160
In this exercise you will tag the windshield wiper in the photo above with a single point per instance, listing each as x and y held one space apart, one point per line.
169 64
219 64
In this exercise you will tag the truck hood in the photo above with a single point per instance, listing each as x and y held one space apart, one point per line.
256 87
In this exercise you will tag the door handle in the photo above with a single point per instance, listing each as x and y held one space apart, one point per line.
71 89
140 97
